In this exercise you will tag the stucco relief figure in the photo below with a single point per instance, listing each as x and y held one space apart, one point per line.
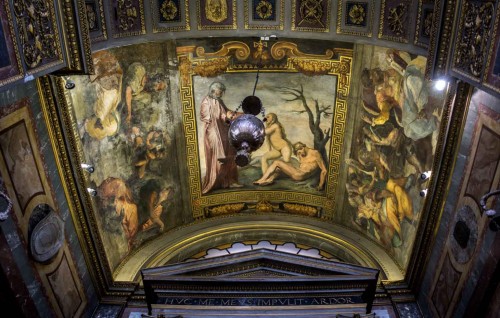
279 146
310 162
105 121
221 169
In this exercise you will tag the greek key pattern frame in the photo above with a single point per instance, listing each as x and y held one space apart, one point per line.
190 60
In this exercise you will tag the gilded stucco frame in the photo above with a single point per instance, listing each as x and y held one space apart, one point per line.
61 125
195 61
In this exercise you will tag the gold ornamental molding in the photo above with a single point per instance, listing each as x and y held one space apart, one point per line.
280 57
58 115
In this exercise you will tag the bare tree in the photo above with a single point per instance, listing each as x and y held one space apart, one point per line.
320 137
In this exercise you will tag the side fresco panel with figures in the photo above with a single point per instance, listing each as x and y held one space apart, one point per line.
393 145
126 126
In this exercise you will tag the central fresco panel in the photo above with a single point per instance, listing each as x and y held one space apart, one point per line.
135 112
304 109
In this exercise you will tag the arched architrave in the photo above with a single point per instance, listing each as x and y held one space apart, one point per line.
182 243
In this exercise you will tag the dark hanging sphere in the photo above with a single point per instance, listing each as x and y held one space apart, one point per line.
246 134
251 105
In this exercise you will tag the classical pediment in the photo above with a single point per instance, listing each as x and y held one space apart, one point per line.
262 280
264 261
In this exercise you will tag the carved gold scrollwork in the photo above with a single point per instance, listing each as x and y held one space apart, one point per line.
241 51
311 67
397 19
476 24
127 15
36 31
282 49
212 67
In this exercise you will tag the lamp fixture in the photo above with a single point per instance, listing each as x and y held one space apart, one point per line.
491 213
69 84
440 84
88 167
247 132
92 192
426 175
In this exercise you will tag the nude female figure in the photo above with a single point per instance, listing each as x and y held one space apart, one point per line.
279 146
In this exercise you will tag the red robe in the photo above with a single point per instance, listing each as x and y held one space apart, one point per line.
216 142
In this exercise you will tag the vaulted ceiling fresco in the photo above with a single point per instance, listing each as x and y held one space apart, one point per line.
349 130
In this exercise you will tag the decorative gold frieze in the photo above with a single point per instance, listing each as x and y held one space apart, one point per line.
300 209
38 34
211 68
283 49
475 27
264 206
226 209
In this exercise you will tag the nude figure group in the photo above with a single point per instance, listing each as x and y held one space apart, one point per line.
221 171
281 149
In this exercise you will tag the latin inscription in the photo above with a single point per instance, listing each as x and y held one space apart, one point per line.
314 301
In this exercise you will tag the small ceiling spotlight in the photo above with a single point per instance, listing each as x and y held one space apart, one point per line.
423 193
88 167
426 175
491 213
92 192
69 84
440 84
484 198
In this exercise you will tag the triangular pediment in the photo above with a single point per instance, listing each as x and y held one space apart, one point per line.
266 262
261 280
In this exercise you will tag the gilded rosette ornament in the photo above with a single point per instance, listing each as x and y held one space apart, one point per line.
357 14
169 10
216 10
264 9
